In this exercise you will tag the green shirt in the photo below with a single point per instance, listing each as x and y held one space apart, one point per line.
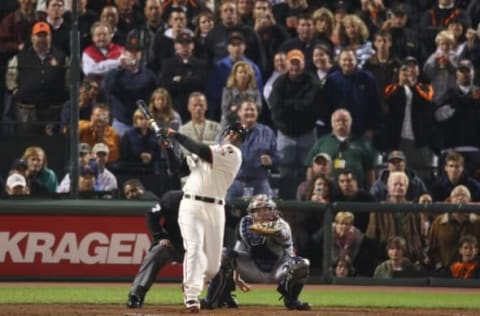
356 153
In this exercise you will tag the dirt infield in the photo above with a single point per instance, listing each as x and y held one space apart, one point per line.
161 310
121 310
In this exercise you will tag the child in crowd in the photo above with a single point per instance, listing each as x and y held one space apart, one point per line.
468 266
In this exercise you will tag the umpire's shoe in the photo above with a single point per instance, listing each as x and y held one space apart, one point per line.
297 305
134 301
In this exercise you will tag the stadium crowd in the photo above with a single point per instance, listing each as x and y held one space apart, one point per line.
360 101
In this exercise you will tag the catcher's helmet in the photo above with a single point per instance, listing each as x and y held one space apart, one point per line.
238 128
259 201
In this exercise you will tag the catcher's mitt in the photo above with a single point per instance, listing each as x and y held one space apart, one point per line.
269 228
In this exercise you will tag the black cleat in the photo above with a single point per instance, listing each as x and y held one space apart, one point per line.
231 301
297 305
134 301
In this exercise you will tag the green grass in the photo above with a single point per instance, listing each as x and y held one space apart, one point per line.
159 295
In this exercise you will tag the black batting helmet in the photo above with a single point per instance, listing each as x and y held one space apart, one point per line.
238 128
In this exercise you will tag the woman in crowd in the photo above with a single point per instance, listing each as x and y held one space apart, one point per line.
352 32
241 86
203 25
41 179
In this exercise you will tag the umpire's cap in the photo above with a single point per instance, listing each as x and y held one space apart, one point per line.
238 128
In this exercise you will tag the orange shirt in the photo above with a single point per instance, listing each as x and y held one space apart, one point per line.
110 138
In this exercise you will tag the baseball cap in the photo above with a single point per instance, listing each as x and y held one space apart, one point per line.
396 154
295 54
84 148
40 27
133 43
465 64
410 60
324 156
340 6
19 164
15 180
86 170
184 38
99 148
236 38
238 128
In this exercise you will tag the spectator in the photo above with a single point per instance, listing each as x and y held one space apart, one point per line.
99 130
121 92
409 121
439 69
355 90
245 12
259 154
320 188
323 24
272 34
162 109
87 182
468 267
396 161
139 146
190 7
397 264
177 22
280 68
106 180
84 158
447 229
86 18
133 189
203 25
199 127
322 58
346 238
128 16
221 70
240 87
87 97
453 176
383 226
349 191
183 74
111 16
218 38
15 31
294 106
146 31
321 165
60 25
304 40
354 34
343 268
405 39
16 185
373 14
383 67
103 55
346 150
471 50
437 18
41 180
459 114
36 78
287 14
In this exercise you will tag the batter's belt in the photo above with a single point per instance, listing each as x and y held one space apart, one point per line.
205 199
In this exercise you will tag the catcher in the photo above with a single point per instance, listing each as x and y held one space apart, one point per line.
263 253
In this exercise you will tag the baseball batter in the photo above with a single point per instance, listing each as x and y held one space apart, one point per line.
263 253
201 215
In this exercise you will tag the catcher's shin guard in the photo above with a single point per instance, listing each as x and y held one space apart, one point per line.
298 270
219 288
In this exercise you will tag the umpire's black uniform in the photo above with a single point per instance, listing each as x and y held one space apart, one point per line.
159 255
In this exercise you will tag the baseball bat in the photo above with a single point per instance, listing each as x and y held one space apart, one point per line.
158 131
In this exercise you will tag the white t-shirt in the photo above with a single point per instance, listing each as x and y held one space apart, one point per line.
213 179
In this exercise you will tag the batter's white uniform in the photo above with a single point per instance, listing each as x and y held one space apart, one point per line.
202 223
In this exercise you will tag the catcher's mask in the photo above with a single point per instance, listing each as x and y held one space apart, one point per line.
262 201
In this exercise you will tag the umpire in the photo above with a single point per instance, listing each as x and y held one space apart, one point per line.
166 245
